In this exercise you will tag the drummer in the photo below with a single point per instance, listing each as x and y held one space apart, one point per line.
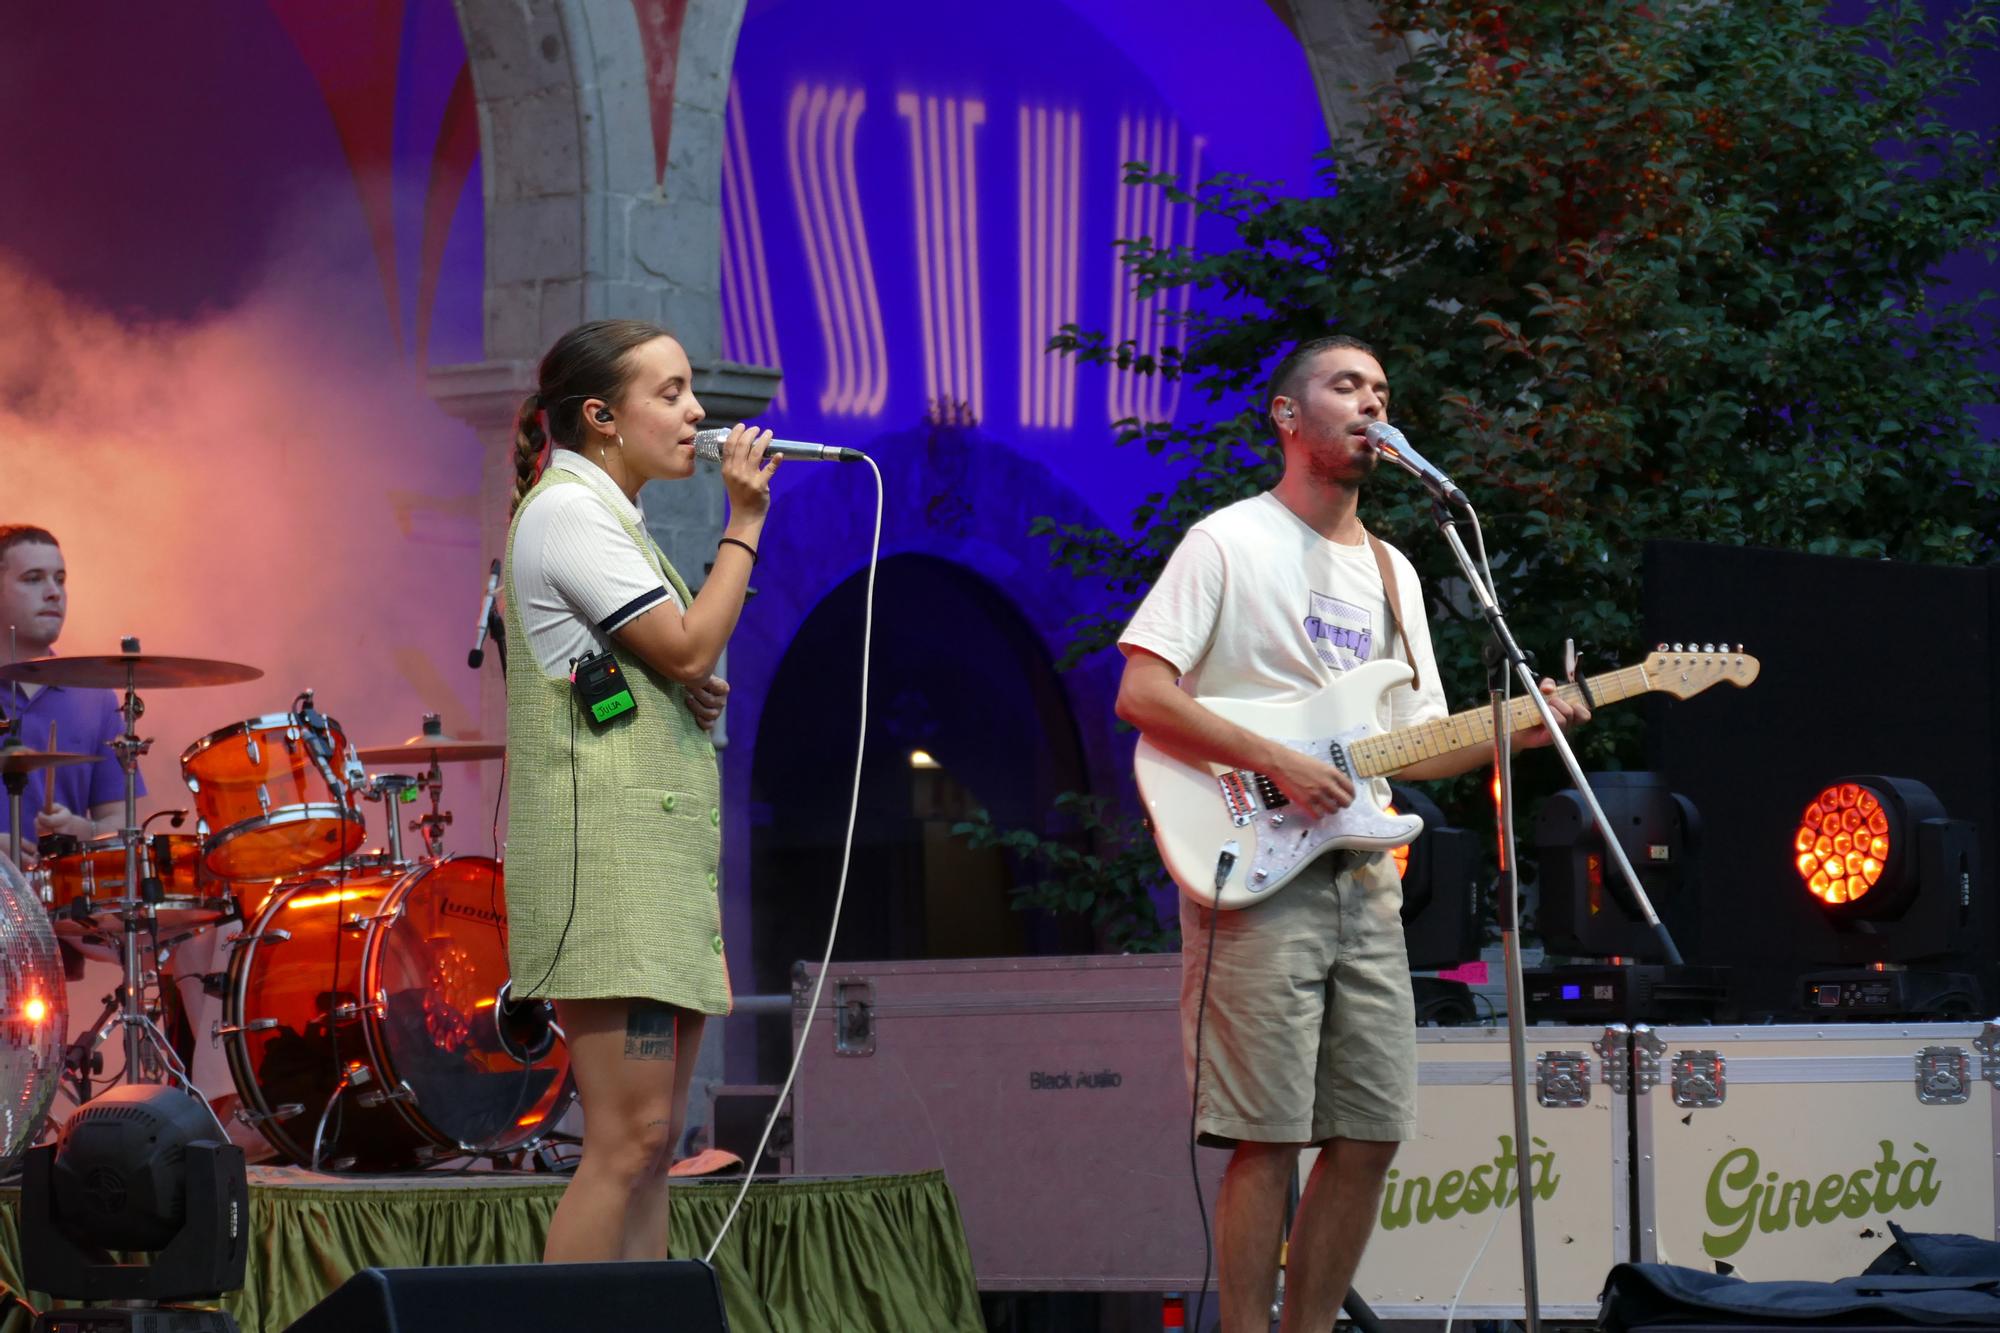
89 799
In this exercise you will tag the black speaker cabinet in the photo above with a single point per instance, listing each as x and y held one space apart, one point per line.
673 1296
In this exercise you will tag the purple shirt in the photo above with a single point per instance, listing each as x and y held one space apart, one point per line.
87 721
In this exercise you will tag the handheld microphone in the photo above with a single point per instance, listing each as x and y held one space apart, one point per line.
1389 443
478 653
708 446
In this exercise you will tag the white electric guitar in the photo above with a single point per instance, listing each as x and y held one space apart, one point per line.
1230 838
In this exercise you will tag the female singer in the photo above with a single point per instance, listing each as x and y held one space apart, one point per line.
614 811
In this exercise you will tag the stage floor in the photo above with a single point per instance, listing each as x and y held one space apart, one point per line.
805 1255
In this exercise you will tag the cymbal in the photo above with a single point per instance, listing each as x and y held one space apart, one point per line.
14 759
113 671
434 748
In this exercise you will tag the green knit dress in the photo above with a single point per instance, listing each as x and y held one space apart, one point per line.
643 849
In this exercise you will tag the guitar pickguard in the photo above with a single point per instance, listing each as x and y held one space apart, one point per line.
1286 840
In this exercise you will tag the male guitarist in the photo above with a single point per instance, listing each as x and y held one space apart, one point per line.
1307 1026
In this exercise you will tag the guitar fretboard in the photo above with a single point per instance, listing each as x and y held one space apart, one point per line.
1395 750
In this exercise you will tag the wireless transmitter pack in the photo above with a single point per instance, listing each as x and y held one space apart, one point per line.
600 687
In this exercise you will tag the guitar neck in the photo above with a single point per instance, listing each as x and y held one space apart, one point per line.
1395 750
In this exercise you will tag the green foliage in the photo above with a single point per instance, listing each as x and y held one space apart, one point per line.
1114 887
1637 270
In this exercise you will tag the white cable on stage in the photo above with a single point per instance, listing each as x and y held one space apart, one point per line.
840 893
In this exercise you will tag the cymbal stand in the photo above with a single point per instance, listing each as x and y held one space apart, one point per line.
16 784
133 909
433 825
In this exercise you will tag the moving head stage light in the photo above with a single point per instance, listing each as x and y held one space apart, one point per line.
139 1168
1585 911
1442 925
1893 878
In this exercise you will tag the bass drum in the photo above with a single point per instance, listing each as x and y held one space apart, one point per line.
363 1009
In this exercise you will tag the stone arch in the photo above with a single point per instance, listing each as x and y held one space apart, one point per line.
1345 52
969 499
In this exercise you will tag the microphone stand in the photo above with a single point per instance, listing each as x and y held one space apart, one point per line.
496 639
1510 656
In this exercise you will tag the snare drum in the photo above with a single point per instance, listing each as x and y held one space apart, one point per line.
275 806
81 888
389 978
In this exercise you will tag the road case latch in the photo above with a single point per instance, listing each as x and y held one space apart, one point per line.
1944 1075
854 1017
1987 1043
1615 1048
1562 1078
1647 1048
1699 1079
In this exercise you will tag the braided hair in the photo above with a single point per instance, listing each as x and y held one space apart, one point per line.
590 361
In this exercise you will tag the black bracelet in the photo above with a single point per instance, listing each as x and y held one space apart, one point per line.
737 541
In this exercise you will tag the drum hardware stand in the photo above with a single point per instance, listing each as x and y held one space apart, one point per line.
393 789
433 825
132 907
16 784
1505 654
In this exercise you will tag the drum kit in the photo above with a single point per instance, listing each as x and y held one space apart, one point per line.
365 1018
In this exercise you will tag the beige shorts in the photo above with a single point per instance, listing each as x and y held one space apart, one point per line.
1309 1031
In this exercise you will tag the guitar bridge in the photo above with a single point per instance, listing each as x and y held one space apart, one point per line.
1237 796
1247 793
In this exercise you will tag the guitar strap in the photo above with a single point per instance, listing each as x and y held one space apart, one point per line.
1388 571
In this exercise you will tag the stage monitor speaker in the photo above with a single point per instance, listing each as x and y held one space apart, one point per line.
672 1296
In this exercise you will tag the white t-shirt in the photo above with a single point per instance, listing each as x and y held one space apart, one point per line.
578 576
1256 605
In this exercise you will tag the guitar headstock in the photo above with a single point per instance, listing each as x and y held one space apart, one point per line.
1685 670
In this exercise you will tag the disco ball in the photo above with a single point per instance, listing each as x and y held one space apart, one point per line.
34 1013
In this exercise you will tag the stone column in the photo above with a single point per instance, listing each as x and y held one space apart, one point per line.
587 219
486 397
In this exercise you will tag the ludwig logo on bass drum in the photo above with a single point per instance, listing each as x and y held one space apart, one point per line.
484 915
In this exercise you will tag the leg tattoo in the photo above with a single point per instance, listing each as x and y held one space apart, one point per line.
649 1031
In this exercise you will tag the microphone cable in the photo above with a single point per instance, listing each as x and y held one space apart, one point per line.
839 893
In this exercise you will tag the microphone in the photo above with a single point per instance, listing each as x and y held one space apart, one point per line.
478 653
1390 443
708 446
318 735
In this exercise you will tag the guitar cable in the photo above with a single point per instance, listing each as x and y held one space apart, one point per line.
840 891
1223 865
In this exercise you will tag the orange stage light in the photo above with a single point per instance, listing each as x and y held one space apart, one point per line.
1401 855
36 1009
1843 843
327 899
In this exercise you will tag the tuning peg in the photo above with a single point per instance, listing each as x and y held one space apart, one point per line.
1678 648
1739 647
1661 649
1708 647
